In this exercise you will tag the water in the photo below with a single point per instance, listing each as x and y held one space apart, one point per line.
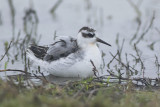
108 17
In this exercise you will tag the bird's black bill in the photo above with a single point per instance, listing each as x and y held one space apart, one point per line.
100 40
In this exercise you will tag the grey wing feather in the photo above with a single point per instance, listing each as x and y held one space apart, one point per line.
61 48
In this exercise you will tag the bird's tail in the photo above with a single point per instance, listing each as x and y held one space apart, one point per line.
34 60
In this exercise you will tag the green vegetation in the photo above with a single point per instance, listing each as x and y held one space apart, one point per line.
79 94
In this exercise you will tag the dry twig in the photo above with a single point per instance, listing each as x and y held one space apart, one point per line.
55 6
147 30
14 70
95 71
6 51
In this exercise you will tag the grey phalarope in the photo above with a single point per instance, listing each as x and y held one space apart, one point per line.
68 56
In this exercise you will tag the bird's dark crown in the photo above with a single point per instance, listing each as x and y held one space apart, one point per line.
87 29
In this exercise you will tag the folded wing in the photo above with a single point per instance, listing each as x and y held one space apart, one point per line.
61 48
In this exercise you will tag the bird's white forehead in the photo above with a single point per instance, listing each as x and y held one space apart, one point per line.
87 32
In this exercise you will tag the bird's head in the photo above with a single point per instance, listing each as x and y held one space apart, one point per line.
88 36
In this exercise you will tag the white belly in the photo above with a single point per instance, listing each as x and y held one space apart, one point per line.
84 68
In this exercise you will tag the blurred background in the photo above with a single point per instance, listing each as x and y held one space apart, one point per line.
119 22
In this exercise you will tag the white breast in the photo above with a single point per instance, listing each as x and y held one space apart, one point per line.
84 67
93 53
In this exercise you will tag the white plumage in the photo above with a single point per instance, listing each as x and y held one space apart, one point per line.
69 57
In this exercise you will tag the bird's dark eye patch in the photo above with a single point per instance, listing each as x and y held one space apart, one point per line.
91 35
88 35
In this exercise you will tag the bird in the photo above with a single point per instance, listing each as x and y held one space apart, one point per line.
69 56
